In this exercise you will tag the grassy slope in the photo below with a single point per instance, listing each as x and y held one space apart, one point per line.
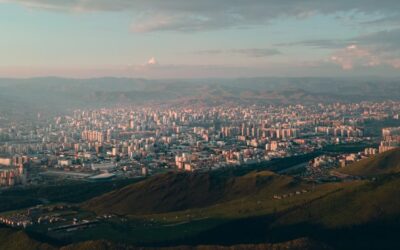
241 201
234 198
254 204
173 192
182 191
354 205
385 163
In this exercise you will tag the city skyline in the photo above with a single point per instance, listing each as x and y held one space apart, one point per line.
189 39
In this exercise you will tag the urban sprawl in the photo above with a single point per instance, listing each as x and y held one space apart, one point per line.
103 144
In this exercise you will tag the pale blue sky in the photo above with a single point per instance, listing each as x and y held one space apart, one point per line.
91 39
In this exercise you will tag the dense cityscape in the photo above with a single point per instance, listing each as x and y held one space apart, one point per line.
101 144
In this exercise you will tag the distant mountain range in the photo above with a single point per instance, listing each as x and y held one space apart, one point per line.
58 94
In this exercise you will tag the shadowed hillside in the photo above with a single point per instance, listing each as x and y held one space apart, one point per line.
298 244
181 191
17 240
354 205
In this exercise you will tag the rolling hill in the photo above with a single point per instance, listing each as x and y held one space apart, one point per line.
246 209
220 208
385 163
181 191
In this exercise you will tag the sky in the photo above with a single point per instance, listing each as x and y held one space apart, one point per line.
199 39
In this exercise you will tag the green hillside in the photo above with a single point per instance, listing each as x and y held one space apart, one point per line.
354 205
181 191
385 163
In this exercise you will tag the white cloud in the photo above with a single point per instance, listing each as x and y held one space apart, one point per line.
375 49
152 61
354 56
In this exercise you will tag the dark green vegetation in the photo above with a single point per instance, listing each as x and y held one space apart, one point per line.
16 240
73 192
302 243
236 207
181 191
374 127
12 202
